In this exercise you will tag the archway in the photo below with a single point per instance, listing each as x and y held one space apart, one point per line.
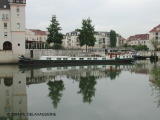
7 45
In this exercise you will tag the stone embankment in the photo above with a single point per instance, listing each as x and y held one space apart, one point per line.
36 53
149 53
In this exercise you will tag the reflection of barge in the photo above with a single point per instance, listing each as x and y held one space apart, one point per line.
109 58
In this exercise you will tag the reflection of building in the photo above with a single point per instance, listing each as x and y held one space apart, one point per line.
13 92
12 30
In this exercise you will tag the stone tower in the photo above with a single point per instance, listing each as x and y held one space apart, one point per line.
17 18
12 30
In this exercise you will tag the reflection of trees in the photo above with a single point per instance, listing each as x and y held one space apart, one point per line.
155 79
87 88
56 88
113 73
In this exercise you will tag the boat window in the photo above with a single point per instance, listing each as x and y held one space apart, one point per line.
81 67
48 58
73 58
65 67
89 58
65 59
94 58
58 58
81 58
123 56
59 68
103 58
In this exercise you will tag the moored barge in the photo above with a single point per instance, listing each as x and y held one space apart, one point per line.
109 58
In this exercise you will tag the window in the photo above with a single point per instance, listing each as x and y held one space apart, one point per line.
89 58
81 58
18 26
3 16
18 44
65 59
58 58
94 58
73 58
5 34
103 58
48 58
17 9
6 16
5 25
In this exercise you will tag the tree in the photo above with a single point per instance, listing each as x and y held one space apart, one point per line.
140 47
113 38
86 33
54 35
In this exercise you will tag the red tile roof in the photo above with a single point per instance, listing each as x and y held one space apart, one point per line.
156 29
39 32
139 37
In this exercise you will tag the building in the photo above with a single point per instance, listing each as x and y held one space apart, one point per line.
12 30
35 39
121 41
71 40
102 39
154 36
139 39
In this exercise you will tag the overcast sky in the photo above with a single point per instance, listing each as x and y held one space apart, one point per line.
127 17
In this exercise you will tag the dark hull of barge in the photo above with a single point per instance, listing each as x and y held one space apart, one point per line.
55 63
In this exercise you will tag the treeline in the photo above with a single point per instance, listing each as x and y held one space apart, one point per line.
137 47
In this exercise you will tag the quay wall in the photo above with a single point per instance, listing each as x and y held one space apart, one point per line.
49 52
7 57
149 53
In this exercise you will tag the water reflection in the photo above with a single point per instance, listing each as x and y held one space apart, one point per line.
13 97
87 88
55 91
14 83
155 80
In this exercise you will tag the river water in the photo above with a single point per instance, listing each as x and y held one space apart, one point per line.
101 92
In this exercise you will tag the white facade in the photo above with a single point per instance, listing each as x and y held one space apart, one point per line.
140 39
12 28
154 36
71 40
36 35
35 39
